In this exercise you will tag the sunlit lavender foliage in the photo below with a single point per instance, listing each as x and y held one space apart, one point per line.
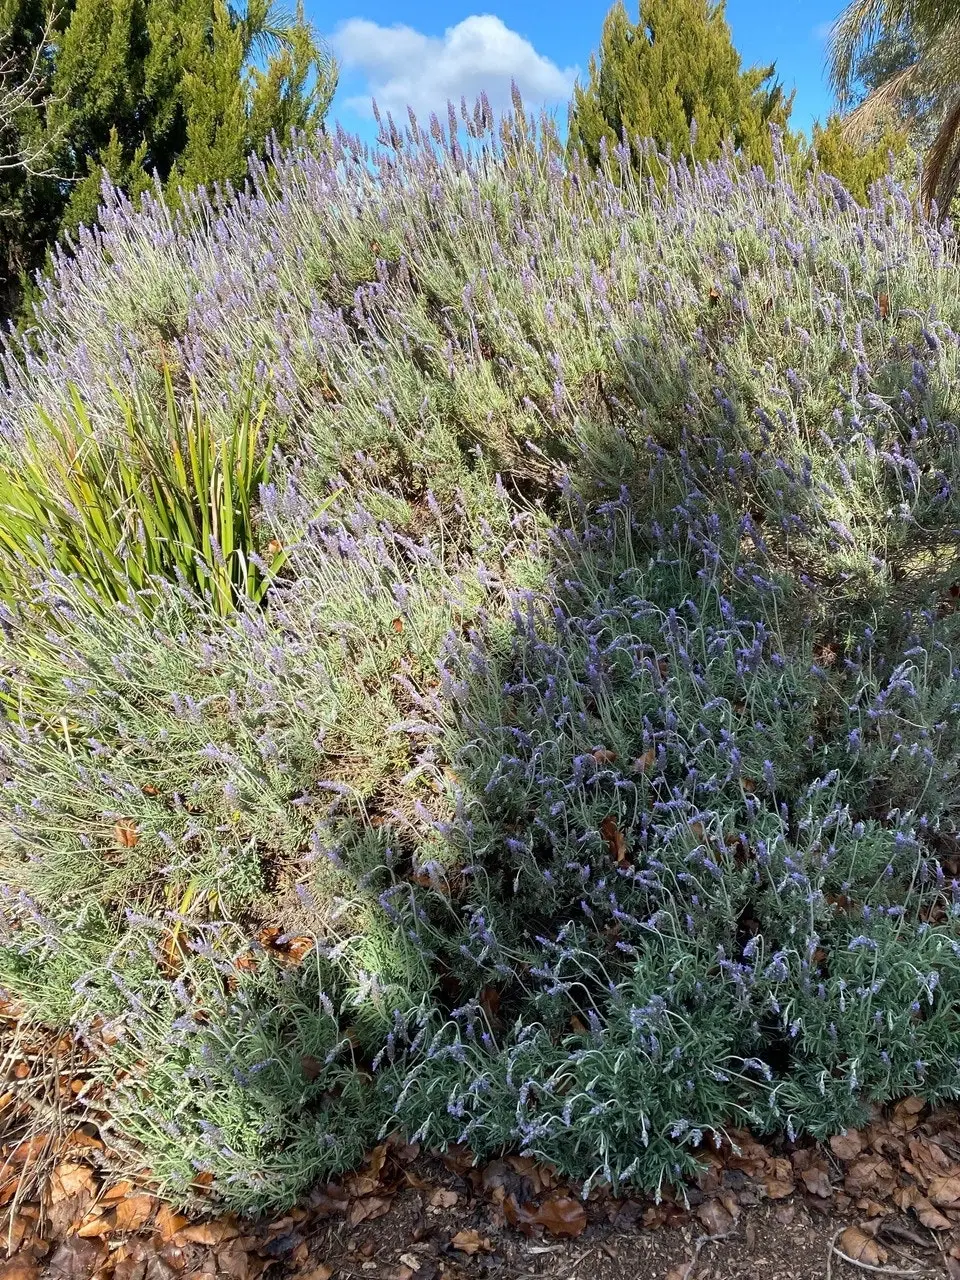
601 735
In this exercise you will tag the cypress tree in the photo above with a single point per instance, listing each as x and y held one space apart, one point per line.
182 89
856 165
677 63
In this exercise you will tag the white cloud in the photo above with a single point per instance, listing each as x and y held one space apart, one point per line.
823 30
405 67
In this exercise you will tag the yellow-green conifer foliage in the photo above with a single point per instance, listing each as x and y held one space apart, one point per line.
857 166
677 63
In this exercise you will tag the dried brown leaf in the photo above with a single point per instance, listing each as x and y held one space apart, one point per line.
126 834
646 761
322 1272
847 1145
817 1181
233 1261
414 1180
442 1198
208 1233
777 1189
367 1181
542 1177
929 1157
905 1197
70 1178
616 841
683 1272
75 1259
119 1191
603 756
79 1140
327 1201
168 1222
471 1242
780 1181
19 1267
562 1216
906 1114
490 1002
22 1230
930 1217
856 1244
496 1180
97 1226
458 1158
131 1261
135 1212
869 1175
289 951
716 1218
944 1191
378 1156
368 1209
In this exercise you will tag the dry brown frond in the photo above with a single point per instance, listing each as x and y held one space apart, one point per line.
852 35
941 172
883 102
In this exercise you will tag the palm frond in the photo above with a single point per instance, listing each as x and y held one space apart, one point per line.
267 27
857 28
941 172
881 103
932 23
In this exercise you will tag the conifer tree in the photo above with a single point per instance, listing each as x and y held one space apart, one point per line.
856 163
185 90
677 63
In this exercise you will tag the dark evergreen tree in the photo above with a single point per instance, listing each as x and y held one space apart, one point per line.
184 89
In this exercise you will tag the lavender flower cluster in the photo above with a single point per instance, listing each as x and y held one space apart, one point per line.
600 737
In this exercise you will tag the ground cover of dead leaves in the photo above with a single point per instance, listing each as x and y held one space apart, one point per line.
68 1214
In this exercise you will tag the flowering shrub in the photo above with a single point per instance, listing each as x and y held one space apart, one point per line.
585 781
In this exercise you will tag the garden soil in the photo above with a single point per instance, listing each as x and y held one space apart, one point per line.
881 1200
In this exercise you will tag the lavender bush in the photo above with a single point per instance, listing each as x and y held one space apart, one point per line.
598 737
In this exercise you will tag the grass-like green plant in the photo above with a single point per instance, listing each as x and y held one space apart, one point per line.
169 495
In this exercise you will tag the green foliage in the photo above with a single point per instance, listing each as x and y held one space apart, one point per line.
184 90
876 40
675 65
918 109
260 1090
603 735
857 165
168 497
907 52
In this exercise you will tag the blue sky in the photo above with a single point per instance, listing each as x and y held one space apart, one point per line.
417 52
